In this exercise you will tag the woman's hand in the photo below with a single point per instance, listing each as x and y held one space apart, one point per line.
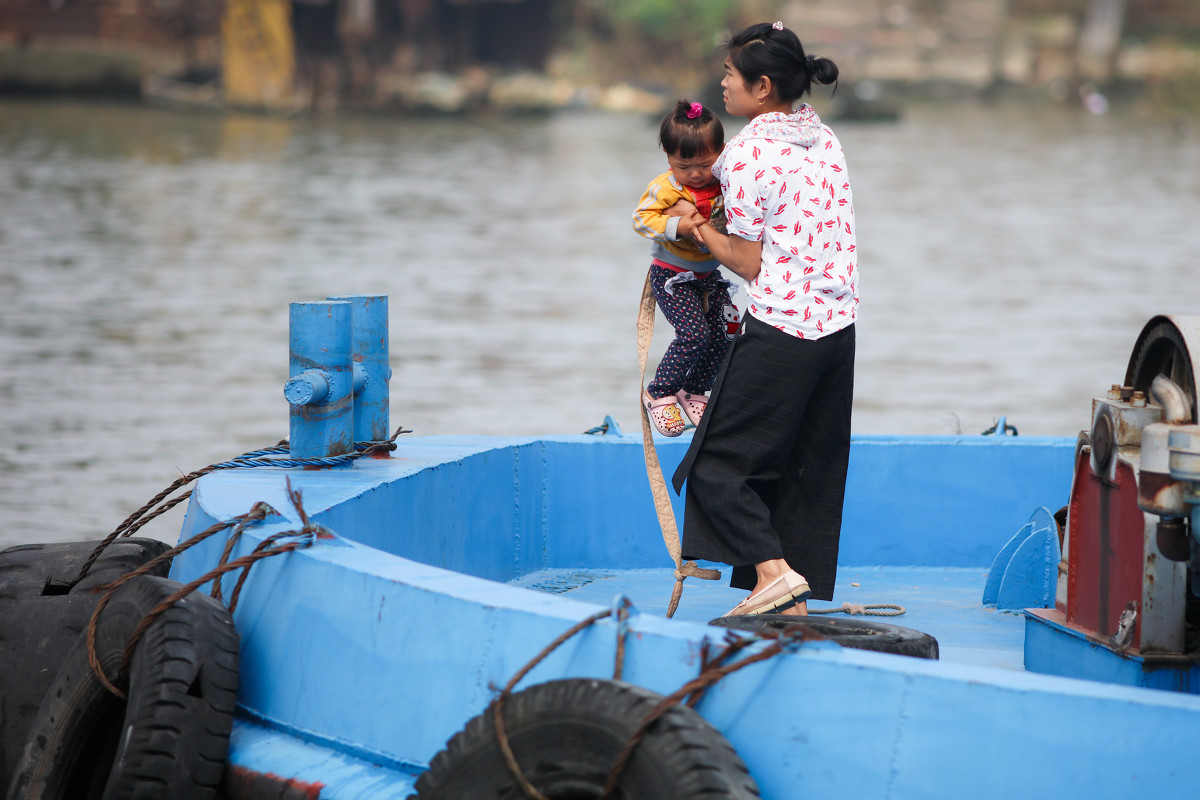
682 208
742 256
690 218
690 225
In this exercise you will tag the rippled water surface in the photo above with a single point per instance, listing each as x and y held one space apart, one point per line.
1008 257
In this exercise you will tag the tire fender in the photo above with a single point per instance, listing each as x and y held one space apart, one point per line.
567 734
170 738
859 634
42 614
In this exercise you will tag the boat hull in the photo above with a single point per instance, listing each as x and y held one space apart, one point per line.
365 652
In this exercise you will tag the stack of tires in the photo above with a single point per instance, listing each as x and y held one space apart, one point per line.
62 733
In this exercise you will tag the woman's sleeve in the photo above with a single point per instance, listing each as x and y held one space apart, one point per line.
739 185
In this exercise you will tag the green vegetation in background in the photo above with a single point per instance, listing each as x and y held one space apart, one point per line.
667 42
693 25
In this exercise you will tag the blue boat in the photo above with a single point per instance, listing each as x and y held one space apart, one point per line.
425 578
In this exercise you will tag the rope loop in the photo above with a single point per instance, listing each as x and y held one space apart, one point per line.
871 610
688 569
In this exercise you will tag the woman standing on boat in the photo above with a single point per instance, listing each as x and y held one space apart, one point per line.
766 471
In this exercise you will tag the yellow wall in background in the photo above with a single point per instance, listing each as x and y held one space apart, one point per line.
259 59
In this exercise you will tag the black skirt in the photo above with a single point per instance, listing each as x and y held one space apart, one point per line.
766 470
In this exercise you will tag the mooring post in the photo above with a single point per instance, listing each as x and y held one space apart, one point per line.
372 369
320 387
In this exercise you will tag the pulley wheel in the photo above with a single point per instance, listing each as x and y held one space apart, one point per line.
1164 348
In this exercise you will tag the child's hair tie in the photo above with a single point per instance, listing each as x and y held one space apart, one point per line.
695 110
778 25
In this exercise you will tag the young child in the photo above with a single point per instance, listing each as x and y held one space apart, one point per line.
689 288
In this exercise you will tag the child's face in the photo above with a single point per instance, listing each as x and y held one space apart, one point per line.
694 172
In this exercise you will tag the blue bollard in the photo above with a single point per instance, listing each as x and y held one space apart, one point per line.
320 389
372 370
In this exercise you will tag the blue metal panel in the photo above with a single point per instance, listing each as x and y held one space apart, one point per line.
475 510
260 749
1053 648
950 501
1024 573
372 370
603 512
479 504
320 423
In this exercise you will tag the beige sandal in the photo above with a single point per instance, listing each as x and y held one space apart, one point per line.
782 593
665 414
693 405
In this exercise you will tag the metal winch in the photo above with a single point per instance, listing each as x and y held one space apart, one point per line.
1134 513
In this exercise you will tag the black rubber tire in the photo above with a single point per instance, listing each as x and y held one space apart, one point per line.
170 739
566 735
41 617
42 570
859 634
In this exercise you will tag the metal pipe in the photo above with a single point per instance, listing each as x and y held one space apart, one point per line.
307 388
1177 409
321 375
372 369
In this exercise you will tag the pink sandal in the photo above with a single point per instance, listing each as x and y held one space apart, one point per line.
665 414
693 405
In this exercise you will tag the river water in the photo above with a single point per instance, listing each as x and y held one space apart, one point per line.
1009 257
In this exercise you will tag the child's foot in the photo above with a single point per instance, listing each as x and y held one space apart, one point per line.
664 413
693 405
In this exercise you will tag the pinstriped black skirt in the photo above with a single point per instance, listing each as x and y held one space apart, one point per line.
766 470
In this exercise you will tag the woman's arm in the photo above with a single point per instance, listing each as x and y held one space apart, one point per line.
742 256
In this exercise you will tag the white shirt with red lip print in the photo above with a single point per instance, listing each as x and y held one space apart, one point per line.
785 184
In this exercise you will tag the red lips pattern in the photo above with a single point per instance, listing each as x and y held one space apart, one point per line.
797 201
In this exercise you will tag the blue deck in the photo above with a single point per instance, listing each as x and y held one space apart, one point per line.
940 601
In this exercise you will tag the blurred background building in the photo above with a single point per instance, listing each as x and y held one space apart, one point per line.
450 55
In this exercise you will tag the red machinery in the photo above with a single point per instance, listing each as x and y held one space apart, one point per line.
1130 529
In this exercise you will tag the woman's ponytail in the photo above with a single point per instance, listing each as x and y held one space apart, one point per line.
822 71
776 52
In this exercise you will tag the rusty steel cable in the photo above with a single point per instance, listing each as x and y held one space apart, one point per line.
248 460
265 549
712 670
698 685
257 512
498 704
245 562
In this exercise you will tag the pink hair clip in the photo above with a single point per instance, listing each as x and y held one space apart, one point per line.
778 25
695 110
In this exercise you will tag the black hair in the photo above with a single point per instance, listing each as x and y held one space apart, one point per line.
685 136
763 49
